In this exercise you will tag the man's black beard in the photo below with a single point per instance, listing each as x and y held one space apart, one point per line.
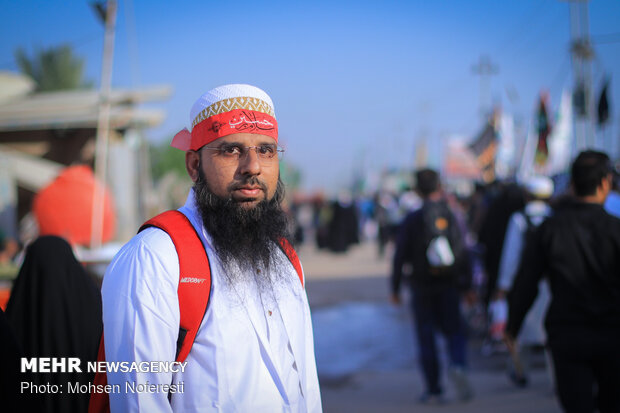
243 237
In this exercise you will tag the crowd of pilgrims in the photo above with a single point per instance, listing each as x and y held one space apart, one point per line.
336 224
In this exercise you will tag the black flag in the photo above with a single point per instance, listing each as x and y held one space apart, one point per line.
603 106
101 10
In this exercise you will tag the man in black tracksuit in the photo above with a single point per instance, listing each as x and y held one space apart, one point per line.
578 249
435 287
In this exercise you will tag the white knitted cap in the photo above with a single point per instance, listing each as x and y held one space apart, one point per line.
222 99
539 186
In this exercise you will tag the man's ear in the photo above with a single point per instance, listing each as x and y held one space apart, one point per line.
606 184
192 164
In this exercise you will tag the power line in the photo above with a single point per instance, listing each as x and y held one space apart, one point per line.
606 38
535 38
485 69
132 42
526 20
561 73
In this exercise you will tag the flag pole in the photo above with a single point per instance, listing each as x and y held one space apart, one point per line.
103 127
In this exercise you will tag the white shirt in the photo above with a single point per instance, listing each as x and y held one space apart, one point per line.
537 211
532 331
253 352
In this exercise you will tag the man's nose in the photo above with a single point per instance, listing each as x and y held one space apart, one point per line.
250 163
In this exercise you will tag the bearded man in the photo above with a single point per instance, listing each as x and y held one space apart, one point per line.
254 348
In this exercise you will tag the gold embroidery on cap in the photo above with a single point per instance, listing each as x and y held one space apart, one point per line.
226 105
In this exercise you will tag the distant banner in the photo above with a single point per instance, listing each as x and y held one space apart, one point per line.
544 129
484 148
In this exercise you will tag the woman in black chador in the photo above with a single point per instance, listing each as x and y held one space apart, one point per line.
55 311
342 230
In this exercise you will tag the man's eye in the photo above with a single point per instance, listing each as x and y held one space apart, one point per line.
266 150
230 150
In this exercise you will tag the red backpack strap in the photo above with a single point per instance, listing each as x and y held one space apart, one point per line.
99 402
194 275
293 258
194 291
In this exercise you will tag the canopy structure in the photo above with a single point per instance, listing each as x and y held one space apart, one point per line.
53 130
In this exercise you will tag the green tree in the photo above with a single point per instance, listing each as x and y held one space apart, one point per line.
56 68
291 176
165 158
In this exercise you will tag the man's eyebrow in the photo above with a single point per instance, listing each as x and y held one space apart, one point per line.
244 145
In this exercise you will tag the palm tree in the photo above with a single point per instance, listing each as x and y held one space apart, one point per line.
56 68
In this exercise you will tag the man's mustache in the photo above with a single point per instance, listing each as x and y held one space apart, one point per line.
250 181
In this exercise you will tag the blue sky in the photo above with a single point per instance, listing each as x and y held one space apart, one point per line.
352 82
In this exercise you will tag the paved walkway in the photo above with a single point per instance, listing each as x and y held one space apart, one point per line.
397 391
359 277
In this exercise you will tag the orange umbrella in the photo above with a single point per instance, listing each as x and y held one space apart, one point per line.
64 207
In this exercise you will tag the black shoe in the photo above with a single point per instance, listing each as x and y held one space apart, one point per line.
518 380
461 382
431 398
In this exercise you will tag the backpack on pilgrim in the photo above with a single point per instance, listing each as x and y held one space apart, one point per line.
194 289
442 245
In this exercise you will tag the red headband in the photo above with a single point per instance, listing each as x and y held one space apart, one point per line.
227 123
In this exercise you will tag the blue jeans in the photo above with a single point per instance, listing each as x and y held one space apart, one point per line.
438 309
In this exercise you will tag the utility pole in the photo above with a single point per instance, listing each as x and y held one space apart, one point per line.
422 157
103 123
485 69
582 54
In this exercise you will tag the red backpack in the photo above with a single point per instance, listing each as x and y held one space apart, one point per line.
193 295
